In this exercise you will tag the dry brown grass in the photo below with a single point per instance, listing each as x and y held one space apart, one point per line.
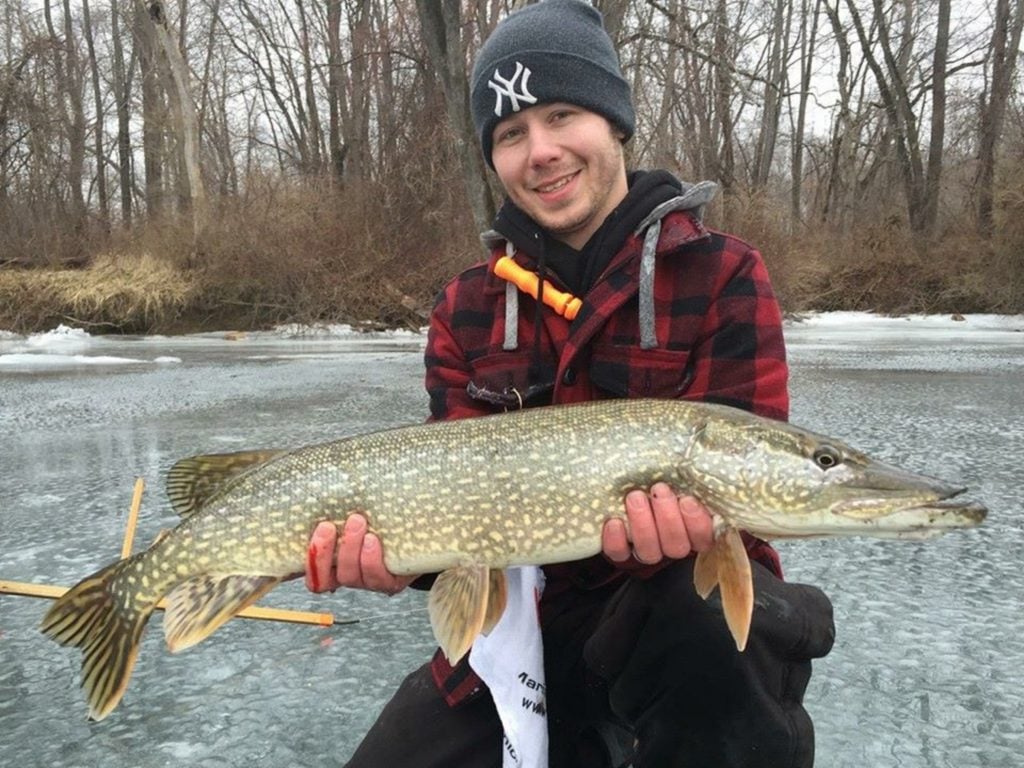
116 292
377 254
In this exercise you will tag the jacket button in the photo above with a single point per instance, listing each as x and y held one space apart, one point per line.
569 377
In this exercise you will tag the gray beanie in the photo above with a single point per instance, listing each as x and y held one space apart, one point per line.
556 50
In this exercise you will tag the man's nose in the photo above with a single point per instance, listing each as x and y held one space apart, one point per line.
544 149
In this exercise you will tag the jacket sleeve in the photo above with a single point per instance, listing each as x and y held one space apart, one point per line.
739 358
447 372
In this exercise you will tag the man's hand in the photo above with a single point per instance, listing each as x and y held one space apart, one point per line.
661 525
352 559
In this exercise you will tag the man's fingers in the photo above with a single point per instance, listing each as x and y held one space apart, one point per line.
643 528
371 563
350 546
699 527
673 535
614 542
320 560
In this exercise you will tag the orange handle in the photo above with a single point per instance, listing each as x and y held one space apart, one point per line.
565 304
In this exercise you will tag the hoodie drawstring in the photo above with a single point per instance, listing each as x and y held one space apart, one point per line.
694 198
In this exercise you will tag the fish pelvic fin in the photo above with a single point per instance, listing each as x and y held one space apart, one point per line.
705 572
727 566
497 599
458 608
93 616
193 481
199 606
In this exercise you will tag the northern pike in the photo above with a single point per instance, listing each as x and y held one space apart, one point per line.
468 498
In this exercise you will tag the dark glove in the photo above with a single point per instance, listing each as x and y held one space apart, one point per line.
673 672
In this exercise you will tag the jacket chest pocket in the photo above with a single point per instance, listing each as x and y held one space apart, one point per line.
634 372
504 381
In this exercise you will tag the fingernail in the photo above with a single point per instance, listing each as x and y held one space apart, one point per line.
370 543
636 498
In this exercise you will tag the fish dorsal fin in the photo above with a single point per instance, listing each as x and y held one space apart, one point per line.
497 599
193 481
458 608
197 607
727 566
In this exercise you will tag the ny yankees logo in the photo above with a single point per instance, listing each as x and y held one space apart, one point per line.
505 87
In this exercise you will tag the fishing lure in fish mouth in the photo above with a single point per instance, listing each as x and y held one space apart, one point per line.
468 498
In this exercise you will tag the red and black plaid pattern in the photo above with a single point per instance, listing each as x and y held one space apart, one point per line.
719 333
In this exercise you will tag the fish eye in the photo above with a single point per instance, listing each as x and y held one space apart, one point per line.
826 457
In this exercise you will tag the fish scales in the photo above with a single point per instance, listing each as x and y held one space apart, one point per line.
467 498
458 493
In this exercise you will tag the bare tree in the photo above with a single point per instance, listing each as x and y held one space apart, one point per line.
441 23
183 107
122 96
1004 51
891 77
808 38
773 92
69 79
97 93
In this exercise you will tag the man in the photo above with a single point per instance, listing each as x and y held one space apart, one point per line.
637 298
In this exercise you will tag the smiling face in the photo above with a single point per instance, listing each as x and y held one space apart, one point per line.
563 166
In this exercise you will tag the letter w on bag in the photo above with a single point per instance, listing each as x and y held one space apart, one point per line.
507 88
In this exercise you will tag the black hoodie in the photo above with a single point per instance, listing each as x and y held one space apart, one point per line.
578 270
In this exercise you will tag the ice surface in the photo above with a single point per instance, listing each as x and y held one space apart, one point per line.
926 672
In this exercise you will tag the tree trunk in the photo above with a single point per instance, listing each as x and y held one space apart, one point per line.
154 114
933 174
121 97
892 87
187 128
101 164
774 85
722 58
808 38
1004 49
440 21
313 134
72 112
335 92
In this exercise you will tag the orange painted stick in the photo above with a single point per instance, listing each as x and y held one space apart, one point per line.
133 518
25 589
52 592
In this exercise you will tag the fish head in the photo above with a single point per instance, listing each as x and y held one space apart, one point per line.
776 480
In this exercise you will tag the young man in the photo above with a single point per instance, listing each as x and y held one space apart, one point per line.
665 308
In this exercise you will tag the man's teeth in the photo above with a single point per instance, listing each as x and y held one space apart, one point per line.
557 185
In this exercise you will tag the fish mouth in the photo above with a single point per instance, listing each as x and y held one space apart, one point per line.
943 506
969 510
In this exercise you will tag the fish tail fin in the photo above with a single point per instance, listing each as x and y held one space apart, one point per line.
95 616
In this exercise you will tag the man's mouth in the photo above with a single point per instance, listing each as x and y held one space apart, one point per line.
555 185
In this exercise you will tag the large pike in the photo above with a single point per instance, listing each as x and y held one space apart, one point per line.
468 498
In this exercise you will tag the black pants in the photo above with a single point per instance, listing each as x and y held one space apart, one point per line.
644 663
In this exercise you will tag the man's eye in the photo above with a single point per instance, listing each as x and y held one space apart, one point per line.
508 135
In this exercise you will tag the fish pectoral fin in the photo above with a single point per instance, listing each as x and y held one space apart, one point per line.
736 582
497 599
197 607
193 481
458 608
705 572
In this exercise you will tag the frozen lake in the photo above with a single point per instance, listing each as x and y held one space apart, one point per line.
927 667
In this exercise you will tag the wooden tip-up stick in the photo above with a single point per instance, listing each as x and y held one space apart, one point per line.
252 612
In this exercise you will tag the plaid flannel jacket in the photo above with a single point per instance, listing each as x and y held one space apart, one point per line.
719 333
